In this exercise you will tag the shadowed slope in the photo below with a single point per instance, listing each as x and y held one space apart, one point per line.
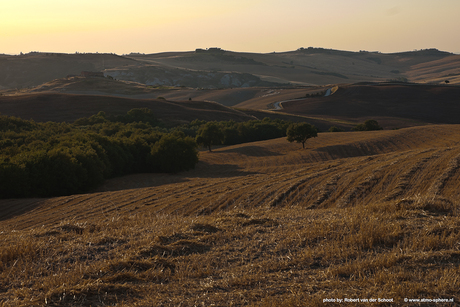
392 105
69 107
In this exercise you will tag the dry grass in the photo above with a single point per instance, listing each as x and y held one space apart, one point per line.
237 258
356 215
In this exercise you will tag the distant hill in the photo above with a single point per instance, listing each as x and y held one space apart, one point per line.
393 105
216 68
35 68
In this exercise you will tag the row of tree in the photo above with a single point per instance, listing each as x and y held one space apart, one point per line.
51 159
209 134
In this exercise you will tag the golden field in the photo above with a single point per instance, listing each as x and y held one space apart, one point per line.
355 215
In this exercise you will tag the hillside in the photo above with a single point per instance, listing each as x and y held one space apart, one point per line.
261 223
310 66
35 68
393 105
264 170
253 97
59 107
357 215
437 71
216 68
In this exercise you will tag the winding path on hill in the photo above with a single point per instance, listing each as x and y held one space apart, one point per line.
278 105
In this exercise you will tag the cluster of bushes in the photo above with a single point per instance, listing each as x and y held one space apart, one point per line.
368 125
50 159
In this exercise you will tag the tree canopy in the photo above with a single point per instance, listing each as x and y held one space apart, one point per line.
301 132
52 159
209 134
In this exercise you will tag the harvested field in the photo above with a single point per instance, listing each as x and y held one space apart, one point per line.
336 169
355 214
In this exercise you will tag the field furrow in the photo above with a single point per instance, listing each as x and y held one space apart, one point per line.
336 169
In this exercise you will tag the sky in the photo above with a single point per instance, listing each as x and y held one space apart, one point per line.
152 26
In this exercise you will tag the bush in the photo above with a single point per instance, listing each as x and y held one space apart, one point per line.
368 125
335 129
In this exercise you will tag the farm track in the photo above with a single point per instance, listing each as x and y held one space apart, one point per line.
336 170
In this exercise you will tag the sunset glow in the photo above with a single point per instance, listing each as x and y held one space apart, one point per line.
121 26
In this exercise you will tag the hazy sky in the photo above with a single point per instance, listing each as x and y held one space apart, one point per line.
149 26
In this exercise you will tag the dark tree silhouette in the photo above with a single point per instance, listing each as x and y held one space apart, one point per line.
301 132
209 134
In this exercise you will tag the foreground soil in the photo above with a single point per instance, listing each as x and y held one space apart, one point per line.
355 215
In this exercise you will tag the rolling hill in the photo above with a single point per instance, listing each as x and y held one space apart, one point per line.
265 170
258 223
368 215
58 107
216 68
393 105
35 68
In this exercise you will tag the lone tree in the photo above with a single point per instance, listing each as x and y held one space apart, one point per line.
209 134
301 132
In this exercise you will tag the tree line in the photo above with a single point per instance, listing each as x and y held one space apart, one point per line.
53 159
213 133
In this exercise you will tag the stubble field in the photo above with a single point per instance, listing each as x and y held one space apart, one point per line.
355 215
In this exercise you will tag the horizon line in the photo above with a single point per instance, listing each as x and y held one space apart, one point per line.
185 51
